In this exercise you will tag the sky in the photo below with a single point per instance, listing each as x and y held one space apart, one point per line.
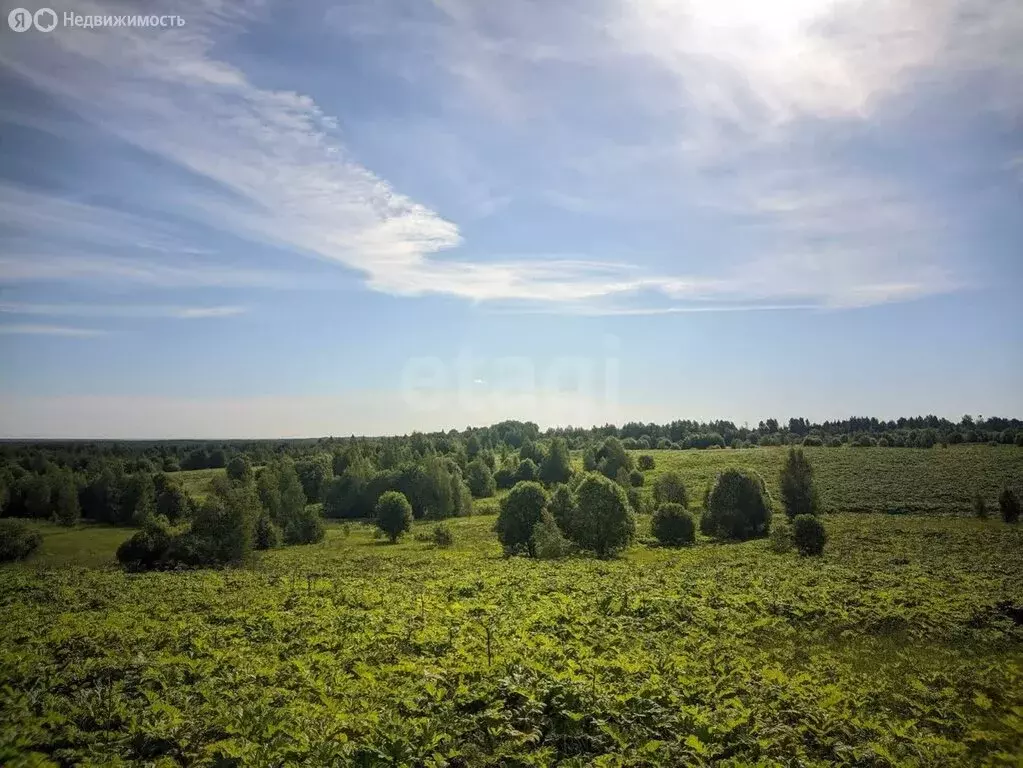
378 216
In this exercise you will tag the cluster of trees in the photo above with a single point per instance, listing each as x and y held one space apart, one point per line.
244 511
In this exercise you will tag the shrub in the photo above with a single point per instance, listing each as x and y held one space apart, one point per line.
589 460
1018 440
1008 505
808 535
224 527
347 496
556 466
147 549
606 523
17 540
393 514
635 478
442 535
646 461
520 512
798 493
563 508
612 457
172 502
315 474
979 507
835 442
883 442
304 526
670 489
480 479
64 498
526 472
549 543
738 506
504 478
138 501
635 500
781 538
268 534
811 440
673 525
239 470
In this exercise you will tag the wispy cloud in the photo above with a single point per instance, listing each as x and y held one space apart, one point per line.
49 330
129 311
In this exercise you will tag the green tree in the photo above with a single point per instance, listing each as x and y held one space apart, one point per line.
315 473
519 513
606 523
480 479
590 460
669 488
64 498
393 514
556 466
37 493
138 500
646 462
809 535
979 507
564 509
738 506
526 471
172 502
549 543
348 495
798 492
1008 505
612 457
672 525
239 469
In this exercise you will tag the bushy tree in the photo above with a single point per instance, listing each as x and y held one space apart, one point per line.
622 478
64 497
393 514
138 500
636 478
590 460
612 457
635 500
798 492
646 462
564 509
150 548
531 451
673 525
549 543
224 528
809 535
100 498
1008 505
315 473
606 523
303 526
268 533
18 540
669 488
239 469
738 506
38 495
556 466
504 477
519 513
348 495
480 479
526 471
172 502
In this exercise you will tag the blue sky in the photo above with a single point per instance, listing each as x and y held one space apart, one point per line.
380 216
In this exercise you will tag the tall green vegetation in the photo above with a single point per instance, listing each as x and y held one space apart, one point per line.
738 506
315 474
520 511
1008 505
809 535
673 525
480 479
64 493
798 492
18 540
239 469
393 514
556 466
605 521
669 488
612 458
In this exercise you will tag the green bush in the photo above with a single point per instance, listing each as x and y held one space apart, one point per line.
18 540
781 538
606 523
549 543
635 500
808 535
673 525
268 534
526 472
239 469
646 461
556 466
305 526
738 506
520 512
148 549
798 492
442 535
1008 505
393 514
504 478
669 488
564 509
635 478
979 506
480 479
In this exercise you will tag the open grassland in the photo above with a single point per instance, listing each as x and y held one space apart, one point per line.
902 645
935 480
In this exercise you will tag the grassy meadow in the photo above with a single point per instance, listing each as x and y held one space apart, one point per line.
901 646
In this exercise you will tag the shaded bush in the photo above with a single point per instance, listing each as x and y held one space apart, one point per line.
811 440
738 506
239 469
635 500
635 478
556 466
564 509
606 523
808 535
520 512
646 461
442 535
526 472
393 514
18 540
315 474
669 488
480 479
549 543
979 506
148 549
798 492
268 534
1008 505
781 538
504 478
673 525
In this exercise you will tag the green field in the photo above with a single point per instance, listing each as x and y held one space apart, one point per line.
936 480
901 646
197 481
